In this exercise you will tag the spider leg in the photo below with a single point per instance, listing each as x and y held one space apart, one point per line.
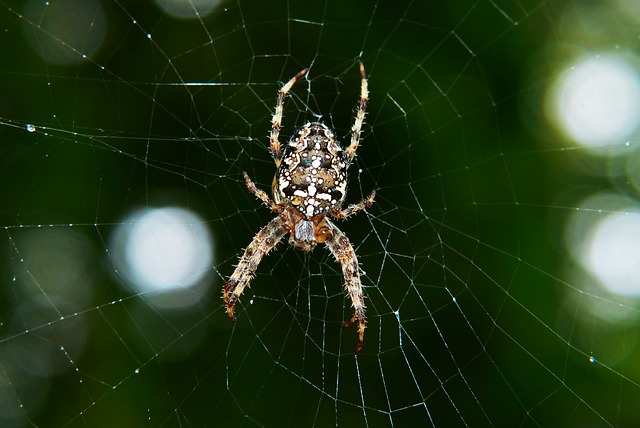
276 121
262 195
354 208
344 254
357 123
262 243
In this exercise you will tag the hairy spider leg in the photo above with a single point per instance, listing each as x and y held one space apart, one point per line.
360 113
354 208
262 243
342 250
262 195
290 221
276 121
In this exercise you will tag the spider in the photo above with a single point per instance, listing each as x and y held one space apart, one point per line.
309 186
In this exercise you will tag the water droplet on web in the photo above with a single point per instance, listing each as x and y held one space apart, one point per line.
30 128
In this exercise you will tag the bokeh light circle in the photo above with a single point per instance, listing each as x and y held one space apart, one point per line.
162 250
64 31
597 101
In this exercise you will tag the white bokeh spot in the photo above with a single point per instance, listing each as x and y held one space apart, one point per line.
162 249
597 102
612 253
64 31
188 8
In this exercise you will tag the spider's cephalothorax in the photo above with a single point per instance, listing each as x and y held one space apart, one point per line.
310 184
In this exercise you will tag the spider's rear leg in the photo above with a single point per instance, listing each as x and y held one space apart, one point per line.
276 120
360 113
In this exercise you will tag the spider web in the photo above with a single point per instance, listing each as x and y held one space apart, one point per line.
479 310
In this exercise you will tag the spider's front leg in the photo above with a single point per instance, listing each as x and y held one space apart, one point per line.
262 243
344 254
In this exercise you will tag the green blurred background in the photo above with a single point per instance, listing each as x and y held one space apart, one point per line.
482 310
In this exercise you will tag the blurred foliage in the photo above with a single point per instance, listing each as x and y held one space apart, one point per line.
463 240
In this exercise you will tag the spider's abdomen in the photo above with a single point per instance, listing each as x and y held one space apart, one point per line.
312 176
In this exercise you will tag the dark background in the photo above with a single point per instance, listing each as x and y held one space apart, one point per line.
474 316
